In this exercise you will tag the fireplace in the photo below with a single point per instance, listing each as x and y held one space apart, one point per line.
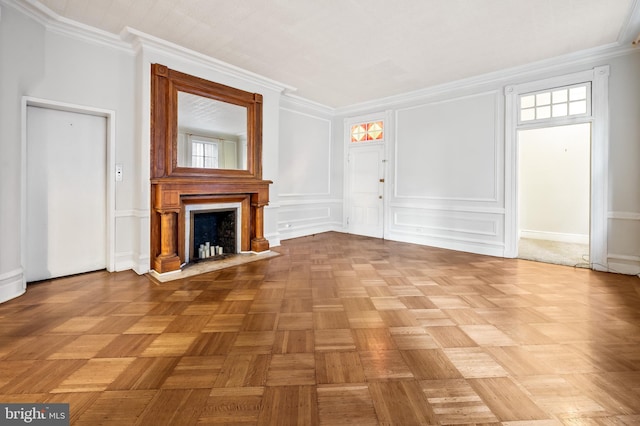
216 227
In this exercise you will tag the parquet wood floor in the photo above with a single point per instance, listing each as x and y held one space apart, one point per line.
337 330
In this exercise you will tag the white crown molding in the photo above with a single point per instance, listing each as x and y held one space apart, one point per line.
294 101
631 28
131 41
140 40
498 77
61 25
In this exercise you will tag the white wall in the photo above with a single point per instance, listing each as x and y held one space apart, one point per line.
554 183
445 178
65 70
18 71
448 166
310 196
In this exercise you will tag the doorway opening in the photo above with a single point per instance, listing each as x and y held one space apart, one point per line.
575 98
554 194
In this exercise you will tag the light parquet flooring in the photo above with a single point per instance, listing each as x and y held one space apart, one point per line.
337 330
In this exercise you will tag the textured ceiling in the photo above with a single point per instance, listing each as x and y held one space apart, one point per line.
343 52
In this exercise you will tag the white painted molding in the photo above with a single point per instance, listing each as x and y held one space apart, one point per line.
489 248
522 72
143 264
624 215
131 41
631 28
305 231
449 208
623 264
12 285
420 229
299 202
61 25
142 40
555 236
498 140
136 213
290 100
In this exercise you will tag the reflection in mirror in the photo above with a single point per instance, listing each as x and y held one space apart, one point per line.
211 134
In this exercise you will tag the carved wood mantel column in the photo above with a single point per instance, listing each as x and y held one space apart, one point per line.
168 259
258 242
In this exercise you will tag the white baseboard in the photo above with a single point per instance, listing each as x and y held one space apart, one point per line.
12 285
555 236
488 248
304 231
623 264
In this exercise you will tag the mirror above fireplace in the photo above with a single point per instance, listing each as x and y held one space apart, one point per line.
203 128
211 134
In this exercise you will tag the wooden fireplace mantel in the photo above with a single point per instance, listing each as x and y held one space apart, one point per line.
174 186
169 198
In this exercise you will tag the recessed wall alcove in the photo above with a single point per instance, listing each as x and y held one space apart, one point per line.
206 148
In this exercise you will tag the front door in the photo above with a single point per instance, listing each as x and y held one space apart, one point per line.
66 193
365 174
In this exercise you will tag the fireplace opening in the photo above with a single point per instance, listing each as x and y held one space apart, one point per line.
213 234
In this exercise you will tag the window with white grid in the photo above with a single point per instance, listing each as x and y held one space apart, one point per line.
561 102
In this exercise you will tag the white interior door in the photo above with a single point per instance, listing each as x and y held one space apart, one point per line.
366 184
66 193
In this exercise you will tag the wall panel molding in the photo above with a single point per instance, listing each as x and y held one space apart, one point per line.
492 96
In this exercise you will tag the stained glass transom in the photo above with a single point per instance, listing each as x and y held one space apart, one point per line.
371 131
556 103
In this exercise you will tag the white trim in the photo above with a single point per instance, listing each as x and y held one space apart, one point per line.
297 101
624 215
448 208
623 264
68 27
137 213
287 203
629 30
130 41
12 285
143 41
488 248
598 76
555 236
530 70
110 116
498 138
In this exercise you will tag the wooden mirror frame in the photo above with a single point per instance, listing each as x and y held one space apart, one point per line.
165 85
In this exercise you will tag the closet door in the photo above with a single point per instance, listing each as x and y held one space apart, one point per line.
66 193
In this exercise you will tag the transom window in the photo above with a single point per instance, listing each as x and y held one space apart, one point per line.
365 132
569 101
